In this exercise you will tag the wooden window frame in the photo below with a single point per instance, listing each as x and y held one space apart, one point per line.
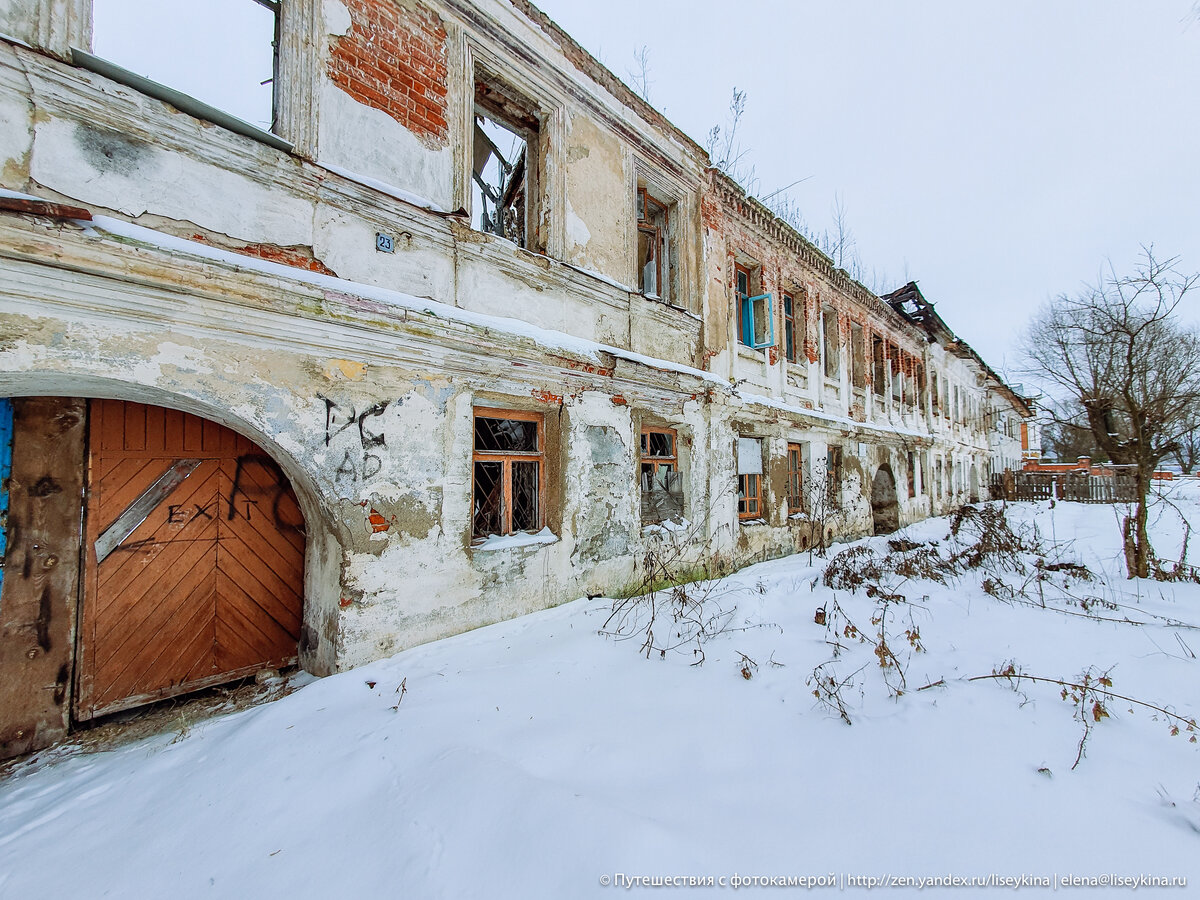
788 305
750 490
858 360
656 461
660 238
795 483
507 458
834 462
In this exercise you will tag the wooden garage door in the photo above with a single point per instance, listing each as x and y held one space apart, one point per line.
194 558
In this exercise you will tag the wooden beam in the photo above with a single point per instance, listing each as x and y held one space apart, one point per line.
39 595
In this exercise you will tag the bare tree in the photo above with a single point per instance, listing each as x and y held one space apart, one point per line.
1118 350
1187 454
726 151
639 75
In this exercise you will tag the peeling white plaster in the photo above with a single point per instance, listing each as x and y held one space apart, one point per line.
187 359
337 17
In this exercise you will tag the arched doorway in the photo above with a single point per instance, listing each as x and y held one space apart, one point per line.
885 508
193 567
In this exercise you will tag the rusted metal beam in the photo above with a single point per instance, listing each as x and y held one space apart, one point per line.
44 208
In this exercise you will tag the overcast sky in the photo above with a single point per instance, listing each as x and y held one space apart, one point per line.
997 153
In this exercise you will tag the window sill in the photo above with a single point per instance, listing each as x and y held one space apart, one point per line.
181 101
755 521
667 526
512 541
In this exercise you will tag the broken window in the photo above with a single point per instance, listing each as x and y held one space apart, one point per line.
789 328
912 474
222 53
831 342
795 483
933 392
750 471
879 367
897 377
756 327
920 380
507 479
833 475
662 482
858 357
504 172
656 260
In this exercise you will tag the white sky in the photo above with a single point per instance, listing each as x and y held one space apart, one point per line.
997 153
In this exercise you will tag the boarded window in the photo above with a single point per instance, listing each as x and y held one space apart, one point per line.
507 478
750 471
661 480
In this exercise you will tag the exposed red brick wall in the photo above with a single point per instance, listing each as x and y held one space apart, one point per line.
394 59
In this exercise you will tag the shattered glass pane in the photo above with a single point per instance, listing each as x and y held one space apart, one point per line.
524 495
658 444
489 498
506 435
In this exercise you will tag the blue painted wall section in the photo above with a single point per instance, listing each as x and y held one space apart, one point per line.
6 440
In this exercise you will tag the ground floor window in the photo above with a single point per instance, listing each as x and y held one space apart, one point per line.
749 463
662 483
795 497
833 475
507 472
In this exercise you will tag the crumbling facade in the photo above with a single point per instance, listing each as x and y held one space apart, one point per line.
462 336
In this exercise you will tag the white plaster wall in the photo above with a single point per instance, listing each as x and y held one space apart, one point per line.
369 142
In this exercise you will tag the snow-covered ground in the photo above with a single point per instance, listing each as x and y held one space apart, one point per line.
536 758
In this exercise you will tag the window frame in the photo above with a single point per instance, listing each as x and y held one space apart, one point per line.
795 482
506 458
745 303
858 361
750 484
787 303
645 459
661 243
834 462
831 348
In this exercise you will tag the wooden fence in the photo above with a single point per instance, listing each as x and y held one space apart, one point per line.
1079 487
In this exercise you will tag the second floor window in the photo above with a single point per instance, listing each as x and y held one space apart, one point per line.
756 328
654 246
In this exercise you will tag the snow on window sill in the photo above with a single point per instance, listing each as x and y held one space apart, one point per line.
667 526
520 539
758 521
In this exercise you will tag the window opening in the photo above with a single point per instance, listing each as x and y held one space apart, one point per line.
795 483
756 327
912 474
833 474
858 354
789 328
879 373
662 482
507 478
504 164
654 246
829 325
897 378
750 470
225 53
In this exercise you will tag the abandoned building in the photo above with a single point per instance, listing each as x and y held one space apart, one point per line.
458 335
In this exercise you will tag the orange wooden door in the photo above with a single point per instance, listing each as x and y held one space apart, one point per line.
194 559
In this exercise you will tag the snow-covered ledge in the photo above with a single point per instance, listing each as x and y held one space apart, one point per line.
521 539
